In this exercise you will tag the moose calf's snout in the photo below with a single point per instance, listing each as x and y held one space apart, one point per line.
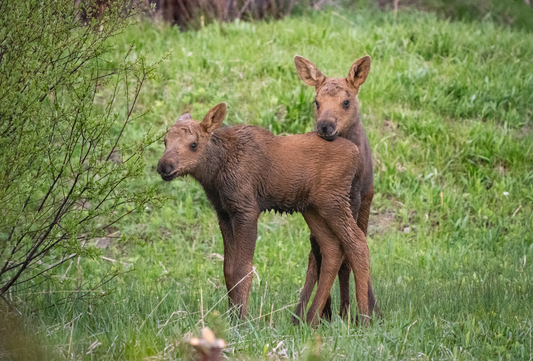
164 169
326 129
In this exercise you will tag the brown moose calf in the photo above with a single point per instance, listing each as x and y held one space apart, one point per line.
337 115
246 170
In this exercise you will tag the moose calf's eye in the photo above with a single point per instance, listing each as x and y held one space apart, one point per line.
193 146
317 106
346 104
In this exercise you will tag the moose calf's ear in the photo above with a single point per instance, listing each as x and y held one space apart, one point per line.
213 119
184 117
308 71
359 71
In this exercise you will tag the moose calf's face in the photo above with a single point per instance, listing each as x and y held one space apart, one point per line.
334 107
335 101
186 143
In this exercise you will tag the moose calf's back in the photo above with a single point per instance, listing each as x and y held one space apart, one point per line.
288 172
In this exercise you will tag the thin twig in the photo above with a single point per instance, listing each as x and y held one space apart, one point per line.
114 260
180 3
344 18
243 8
271 312
9 304
140 328
168 320
396 3
228 9
406 334
242 279
514 214
112 343
70 342
319 4
202 307
266 314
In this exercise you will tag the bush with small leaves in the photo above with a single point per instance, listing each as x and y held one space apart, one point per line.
64 165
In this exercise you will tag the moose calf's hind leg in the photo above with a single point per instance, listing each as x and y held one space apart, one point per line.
344 285
331 262
363 213
312 276
358 254
372 306
315 249
362 223
355 249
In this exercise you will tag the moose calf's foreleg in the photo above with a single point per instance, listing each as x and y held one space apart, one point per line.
230 254
245 236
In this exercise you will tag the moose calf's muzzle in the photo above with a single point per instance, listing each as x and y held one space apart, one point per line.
326 129
165 170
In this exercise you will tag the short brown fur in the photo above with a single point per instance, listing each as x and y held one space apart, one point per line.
337 115
246 170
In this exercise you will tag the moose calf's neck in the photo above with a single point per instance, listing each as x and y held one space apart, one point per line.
215 157
354 131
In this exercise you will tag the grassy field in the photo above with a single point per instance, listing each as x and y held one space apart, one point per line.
447 108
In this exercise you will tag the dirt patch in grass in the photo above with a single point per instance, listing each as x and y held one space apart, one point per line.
525 131
388 126
380 222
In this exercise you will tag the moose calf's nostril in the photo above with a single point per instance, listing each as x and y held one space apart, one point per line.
168 169
325 128
164 169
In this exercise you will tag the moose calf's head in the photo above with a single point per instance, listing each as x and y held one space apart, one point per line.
186 143
336 98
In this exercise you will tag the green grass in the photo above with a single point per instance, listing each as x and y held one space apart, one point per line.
447 108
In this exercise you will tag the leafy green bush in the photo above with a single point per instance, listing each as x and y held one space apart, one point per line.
63 162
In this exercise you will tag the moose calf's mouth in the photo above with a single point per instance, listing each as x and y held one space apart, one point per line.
326 130
169 177
329 137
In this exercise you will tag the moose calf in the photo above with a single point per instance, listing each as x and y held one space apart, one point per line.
246 170
337 115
